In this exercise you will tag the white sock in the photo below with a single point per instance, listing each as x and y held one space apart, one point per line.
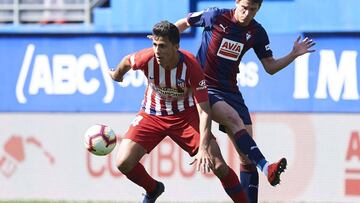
265 169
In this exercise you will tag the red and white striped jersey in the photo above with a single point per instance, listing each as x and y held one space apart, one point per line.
170 91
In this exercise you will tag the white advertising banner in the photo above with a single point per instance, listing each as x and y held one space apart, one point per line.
42 156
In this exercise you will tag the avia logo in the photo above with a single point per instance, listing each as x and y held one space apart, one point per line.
230 49
15 154
64 74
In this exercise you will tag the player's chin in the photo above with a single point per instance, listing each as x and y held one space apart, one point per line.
159 60
244 22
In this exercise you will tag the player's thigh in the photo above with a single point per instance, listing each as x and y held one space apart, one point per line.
143 135
215 152
225 114
147 131
186 133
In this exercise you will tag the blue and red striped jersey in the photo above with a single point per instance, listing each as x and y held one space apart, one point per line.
224 42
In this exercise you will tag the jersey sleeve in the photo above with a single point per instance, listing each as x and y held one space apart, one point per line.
203 18
138 60
197 81
262 46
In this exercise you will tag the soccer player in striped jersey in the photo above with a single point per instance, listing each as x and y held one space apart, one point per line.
176 105
228 34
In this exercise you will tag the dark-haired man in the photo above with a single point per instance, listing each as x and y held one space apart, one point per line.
176 105
228 34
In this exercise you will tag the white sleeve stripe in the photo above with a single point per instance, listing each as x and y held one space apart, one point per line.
132 60
151 68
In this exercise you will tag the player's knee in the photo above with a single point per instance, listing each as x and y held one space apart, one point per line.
220 169
124 165
244 159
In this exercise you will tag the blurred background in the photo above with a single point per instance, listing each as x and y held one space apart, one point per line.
54 57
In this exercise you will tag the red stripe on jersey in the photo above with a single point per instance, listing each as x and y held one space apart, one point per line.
144 102
229 53
179 71
178 74
186 101
146 71
156 73
168 78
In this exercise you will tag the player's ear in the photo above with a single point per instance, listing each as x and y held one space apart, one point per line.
177 46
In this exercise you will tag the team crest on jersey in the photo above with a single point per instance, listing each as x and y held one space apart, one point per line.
180 83
248 36
230 49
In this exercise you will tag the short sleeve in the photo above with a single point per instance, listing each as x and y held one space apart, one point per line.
138 60
197 81
262 46
203 18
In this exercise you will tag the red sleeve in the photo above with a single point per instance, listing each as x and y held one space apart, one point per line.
196 78
138 60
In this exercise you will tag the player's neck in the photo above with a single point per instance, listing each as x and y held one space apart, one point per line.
173 62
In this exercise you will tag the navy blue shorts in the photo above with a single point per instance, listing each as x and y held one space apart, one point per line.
235 100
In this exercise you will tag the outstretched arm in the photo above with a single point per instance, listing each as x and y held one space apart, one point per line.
203 158
272 65
121 69
182 24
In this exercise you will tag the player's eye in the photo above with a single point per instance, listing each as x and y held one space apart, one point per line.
161 46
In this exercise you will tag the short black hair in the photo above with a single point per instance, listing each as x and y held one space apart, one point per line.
254 1
166 29
258 1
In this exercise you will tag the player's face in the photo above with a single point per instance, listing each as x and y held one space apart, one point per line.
165 52
246 11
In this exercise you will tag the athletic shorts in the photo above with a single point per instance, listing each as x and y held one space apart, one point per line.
235 100
183 128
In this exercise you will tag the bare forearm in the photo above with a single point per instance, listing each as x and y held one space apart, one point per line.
272 65
121 69
182 24
205 124
300 47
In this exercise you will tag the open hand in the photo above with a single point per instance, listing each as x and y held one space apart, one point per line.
203 161
303 47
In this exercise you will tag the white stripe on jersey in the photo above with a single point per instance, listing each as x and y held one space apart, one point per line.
148 99
132 59
168 104
169 107
191 101
151 69
173 77
161 84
